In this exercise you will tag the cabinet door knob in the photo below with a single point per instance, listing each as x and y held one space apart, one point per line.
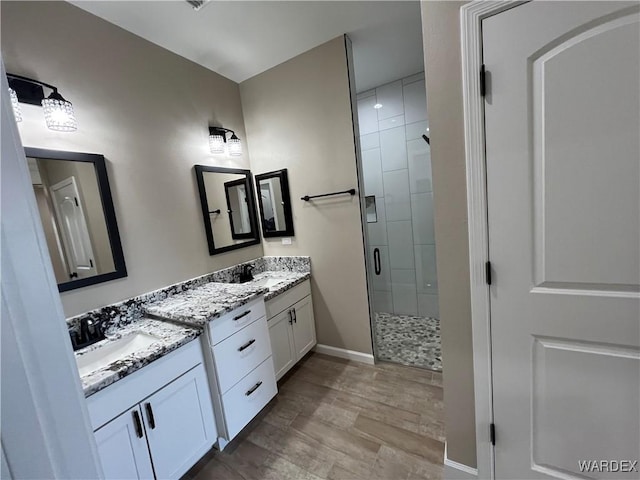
137 423
152 421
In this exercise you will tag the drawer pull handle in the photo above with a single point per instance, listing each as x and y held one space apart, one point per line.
138 423
290 317
152 421
253 389
247 345
295 316
241 315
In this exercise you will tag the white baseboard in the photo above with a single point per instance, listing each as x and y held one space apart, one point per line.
343 353
457 471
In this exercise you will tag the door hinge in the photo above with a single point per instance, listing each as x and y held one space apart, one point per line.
483 81
492 433
487 267
76 199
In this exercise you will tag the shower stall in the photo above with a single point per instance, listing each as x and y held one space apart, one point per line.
396 166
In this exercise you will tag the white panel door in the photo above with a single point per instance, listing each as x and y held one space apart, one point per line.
180 423
122 447
563 179
282 346
73 225
304 327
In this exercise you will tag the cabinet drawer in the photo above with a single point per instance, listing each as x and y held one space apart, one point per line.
288 298
240 353
234 321
248 397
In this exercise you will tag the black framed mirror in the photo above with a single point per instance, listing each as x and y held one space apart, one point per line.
228 208
274 201
75 205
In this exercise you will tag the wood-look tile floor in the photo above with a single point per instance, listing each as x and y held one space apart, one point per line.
335 419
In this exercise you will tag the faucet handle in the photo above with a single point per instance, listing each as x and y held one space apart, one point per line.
74 339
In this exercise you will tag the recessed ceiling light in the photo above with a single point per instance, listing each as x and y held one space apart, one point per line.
377 106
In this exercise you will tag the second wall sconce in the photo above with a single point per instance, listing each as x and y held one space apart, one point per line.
58 112
218 139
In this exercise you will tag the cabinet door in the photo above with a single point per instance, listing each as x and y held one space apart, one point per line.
180 423
282 347
122 447
304 327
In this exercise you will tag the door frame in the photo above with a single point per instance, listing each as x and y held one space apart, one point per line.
46 427
471 16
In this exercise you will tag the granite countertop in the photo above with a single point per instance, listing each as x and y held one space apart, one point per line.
289 280
208 302
170 337
205 303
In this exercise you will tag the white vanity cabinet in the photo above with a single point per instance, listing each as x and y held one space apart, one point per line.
241 367
292 328
123 450
157 422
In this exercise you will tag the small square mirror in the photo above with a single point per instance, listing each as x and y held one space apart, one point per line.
274 202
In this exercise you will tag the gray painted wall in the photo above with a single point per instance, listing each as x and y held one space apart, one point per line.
147 111
298 116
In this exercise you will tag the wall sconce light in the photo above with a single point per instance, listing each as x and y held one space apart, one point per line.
58 112
17 111
217 139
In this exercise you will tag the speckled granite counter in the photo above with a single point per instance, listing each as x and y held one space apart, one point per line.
170 337
203 304
289 280
194 302
132 309
200 305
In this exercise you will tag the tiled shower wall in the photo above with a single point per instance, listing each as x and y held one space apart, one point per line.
397 170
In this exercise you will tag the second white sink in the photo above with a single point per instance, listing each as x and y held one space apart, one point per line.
267 282
114 350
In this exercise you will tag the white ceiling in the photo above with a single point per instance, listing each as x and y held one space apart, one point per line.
240 39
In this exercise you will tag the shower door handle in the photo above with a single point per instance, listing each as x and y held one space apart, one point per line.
376 261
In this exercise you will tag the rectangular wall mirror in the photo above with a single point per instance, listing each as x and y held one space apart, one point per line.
228 208
275 204
74 200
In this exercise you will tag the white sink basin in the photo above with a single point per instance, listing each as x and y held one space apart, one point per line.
267 282
113 351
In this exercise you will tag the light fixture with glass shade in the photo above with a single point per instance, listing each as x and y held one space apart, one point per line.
218 139
235 147
216 142
17 111
58 112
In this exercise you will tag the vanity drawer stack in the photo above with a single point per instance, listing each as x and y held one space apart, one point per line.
242 360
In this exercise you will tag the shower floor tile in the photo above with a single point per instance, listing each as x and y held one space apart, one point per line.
408 340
